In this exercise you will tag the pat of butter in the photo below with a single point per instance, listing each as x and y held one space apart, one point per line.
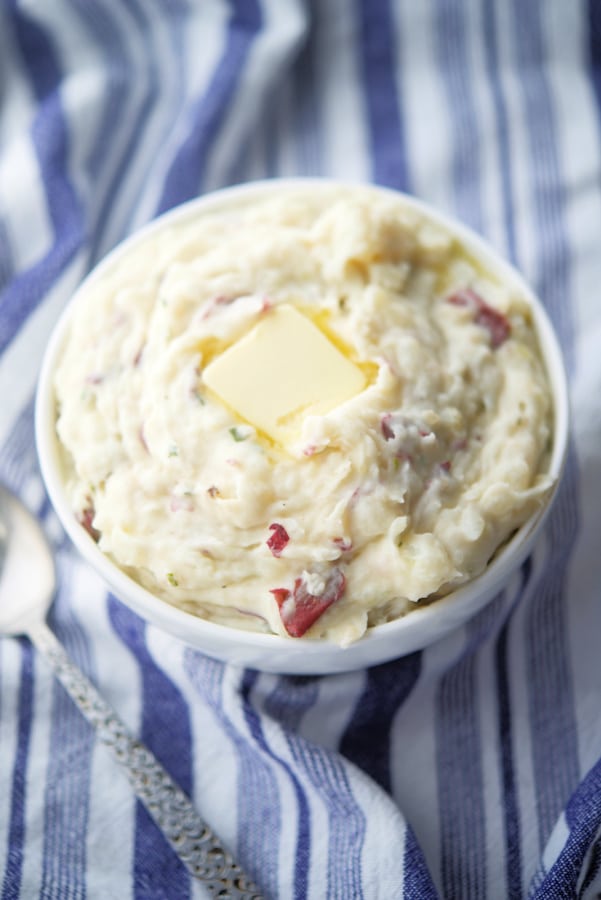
284 369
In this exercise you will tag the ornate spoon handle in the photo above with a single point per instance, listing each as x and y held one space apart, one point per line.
195 843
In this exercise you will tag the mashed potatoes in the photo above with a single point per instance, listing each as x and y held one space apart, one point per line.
396 495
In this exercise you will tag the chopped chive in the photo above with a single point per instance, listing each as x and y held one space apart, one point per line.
172 579
236 435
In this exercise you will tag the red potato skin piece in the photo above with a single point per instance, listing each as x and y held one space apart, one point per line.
305 608
85 519
343 544
278 539
494 321
387 431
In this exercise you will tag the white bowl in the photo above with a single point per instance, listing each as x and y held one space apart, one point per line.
267 652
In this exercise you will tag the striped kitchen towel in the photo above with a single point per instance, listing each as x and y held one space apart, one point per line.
471 769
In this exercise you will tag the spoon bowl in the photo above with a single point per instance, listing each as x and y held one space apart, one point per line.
26 590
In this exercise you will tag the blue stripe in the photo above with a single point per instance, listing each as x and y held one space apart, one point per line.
307 123
272 146
6 260
417 882
122 75
143 15
13 873
552 717
594 36
513 851
17 455
554 736
383 105
303 837
105 37
289 701
19 466
545 176
67 789
457 79
583 817
185 175
66 801
366 740
494 70
109 118
165 729
259 811
50 139
459 767
593 869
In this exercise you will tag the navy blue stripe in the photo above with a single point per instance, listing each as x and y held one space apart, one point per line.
110 119
552 716
417 883
292 696
171 24
165 729
554 734
259 810
49 135
154 79
545 176
13 873
184 178
383 104
67 788
107 39
66 800
594 43
593 869
177 20
272 145
513 851
366 740
18 466
494 70
17 454
457 79
287 704
583 817
303 837
6 260
459 767
307 96
122 77
347 822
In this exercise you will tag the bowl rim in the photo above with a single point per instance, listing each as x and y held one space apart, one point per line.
469 597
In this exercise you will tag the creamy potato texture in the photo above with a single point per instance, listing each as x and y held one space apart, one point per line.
391 498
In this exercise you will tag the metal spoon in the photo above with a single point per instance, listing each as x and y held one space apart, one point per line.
27 586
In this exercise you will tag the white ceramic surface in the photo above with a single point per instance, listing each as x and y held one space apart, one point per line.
267 652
